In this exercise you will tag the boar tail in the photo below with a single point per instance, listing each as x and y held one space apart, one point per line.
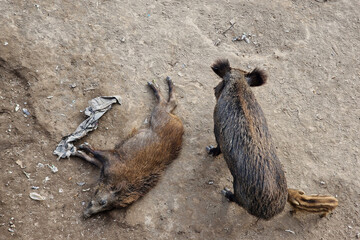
256 78
221 67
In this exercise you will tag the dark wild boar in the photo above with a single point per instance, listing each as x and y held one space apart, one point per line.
242 136
322 204
131 169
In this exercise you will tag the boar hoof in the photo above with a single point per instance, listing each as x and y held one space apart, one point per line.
213 151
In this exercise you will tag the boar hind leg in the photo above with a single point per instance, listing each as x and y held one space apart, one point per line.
171 103
156 91
213 151
88 158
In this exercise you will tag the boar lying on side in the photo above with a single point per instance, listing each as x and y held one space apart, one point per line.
322 204
131 169
242 136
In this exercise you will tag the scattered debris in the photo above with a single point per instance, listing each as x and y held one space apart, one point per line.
26 112
61 190
211 182
11 230
34 188
36 196
46 179
50 97
232 23
17 107
6 43
217 42
37 6
123 39
357 235
86 190
40 165
20 163
180 74
53 168
73 85
98 107
289 231
322 182
27 175
80 183
244 37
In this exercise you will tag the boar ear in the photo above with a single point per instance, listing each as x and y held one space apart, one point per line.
221 67
256 78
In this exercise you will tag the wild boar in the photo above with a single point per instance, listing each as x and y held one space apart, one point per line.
243 137
131 169
322 204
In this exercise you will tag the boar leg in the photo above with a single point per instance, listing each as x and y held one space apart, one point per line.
98 155
88 158
214 151
171 103
228 194
156 91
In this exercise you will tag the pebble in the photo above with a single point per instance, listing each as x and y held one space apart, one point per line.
322 182
36 196
211 182
26 112
6 43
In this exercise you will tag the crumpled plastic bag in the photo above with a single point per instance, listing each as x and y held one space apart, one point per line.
98 107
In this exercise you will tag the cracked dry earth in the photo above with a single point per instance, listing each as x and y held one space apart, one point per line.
309 49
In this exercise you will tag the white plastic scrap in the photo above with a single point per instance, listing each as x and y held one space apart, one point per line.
98 107
52 167
36 196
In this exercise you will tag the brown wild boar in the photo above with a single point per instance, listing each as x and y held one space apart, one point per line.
242 136
322 204
131 169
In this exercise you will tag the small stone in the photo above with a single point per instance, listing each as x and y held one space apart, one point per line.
86 190
61 190
211 182
322 182
26 112
11 230
17 107
6 43
80 183
350 227
50 97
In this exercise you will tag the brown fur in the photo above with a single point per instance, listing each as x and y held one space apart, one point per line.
242 136
322 204
135 165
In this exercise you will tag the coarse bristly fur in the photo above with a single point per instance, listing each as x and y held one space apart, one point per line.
322 204
131 169
243 137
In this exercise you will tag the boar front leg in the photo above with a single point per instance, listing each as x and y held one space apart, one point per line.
88 158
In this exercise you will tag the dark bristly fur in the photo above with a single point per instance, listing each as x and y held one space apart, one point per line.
322 204
221 67
135 165
242 136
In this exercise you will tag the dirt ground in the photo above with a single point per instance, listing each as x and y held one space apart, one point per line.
56 56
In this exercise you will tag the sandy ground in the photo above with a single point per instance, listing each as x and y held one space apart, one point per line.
309 49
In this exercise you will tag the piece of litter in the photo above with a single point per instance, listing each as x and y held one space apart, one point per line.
6 43
11 230
86 190
73 85
80 183
46 179
26 112
27 175
357 235
61 190
123 39
350 227
98 107
34 187
17 107
53 168
217 42
36 196
49 97
290 231
211 182
83 203
322 182
20 163
40 165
